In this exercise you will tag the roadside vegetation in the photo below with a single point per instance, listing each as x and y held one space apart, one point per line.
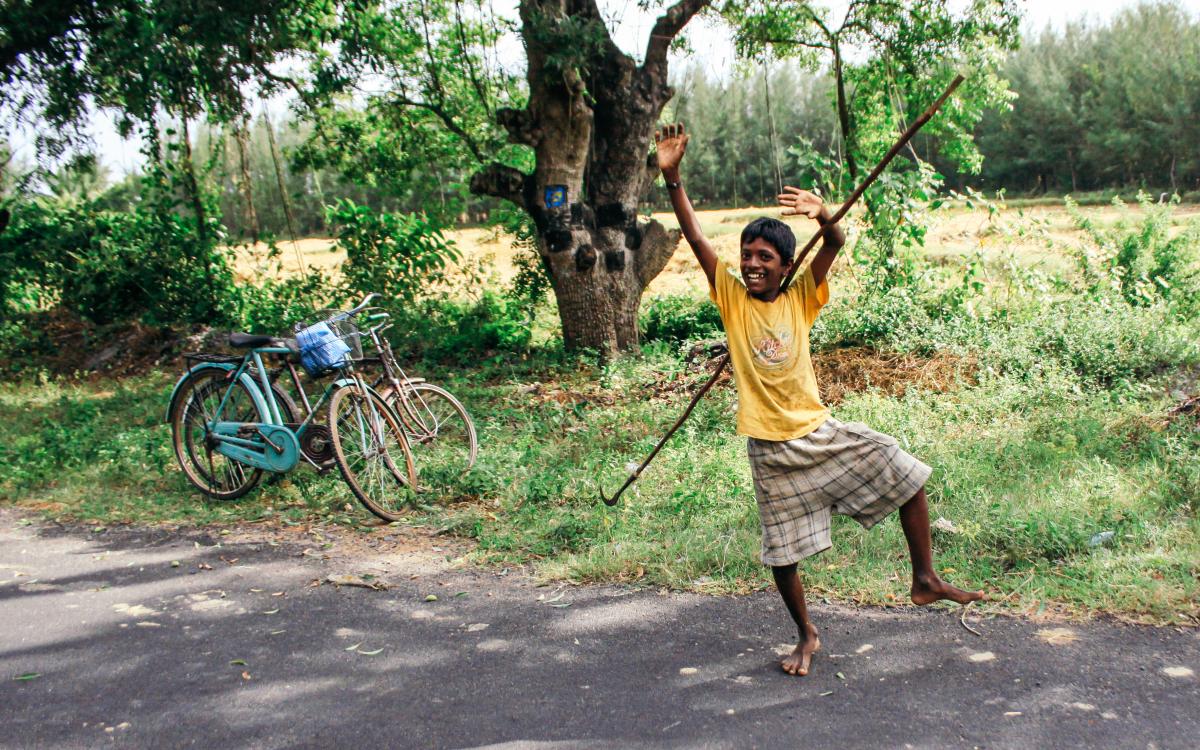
1042 355
1054 406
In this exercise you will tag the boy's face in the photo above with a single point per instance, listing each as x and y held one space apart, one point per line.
762 269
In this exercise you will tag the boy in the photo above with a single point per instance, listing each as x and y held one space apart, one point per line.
806 464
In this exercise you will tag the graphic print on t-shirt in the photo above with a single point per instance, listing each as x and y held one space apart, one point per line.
773 349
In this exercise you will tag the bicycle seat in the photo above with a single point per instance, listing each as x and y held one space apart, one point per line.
251 340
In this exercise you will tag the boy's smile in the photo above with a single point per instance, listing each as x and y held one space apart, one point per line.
762 269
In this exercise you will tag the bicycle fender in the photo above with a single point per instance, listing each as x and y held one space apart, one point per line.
254 389
342 382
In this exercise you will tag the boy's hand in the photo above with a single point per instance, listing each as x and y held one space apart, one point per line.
671 142
797 202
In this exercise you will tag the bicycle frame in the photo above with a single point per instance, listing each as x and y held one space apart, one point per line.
274 446
394 375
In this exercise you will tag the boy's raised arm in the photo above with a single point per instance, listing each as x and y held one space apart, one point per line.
671 143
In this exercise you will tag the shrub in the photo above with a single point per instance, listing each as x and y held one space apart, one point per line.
275 304
113 267
463 331
396 255
679 318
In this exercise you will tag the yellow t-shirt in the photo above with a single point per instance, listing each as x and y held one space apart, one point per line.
768 346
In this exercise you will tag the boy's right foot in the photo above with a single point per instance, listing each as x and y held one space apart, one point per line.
929 589
797 662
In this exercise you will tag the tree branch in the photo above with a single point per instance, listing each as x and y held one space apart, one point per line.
667 27
500 181
446 118
480 89
519 125
658 245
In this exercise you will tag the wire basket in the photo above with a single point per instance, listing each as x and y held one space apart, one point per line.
328 344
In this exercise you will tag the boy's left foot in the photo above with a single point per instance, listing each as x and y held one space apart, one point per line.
930 590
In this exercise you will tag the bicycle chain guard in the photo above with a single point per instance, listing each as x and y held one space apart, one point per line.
275 448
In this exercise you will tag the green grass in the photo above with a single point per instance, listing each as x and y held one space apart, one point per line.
1027 472
1062 434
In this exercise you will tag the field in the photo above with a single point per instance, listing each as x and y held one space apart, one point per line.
1051 399
1035 235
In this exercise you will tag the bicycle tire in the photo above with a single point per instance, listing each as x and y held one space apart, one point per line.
351 429
198 400
440 433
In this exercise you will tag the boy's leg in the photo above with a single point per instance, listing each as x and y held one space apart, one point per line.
787 580
927 587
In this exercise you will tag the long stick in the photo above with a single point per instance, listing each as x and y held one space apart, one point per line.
858 191
724 360
841 212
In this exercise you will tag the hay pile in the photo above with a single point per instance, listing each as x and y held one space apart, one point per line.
844 371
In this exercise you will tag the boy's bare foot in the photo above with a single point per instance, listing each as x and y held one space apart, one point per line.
798 661
932 589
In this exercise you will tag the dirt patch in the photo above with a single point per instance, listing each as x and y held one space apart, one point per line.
844 371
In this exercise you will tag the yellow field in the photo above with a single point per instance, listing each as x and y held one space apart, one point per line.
1024 234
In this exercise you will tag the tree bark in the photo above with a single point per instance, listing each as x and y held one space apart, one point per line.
590 120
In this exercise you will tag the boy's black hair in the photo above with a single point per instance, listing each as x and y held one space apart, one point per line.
774 231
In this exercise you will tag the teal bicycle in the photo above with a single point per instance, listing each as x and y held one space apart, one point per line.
231 422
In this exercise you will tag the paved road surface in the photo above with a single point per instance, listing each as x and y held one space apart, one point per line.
135 651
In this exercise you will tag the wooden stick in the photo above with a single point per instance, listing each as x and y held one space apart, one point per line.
858 191
695 400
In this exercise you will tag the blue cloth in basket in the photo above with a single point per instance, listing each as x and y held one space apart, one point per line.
321 350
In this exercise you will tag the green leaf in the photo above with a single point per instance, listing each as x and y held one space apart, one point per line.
27 676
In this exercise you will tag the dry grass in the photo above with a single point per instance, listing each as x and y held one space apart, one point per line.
844 371
954 232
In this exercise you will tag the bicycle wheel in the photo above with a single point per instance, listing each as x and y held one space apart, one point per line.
439 430
371 451
216 475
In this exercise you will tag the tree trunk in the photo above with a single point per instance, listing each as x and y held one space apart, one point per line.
192 184
245 183
843 108
589 121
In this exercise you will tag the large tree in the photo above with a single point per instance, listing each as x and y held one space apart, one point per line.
403 90
589 120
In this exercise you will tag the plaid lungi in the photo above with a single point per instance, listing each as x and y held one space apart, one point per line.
839 467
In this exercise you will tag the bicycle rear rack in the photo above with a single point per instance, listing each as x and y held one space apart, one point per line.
195 358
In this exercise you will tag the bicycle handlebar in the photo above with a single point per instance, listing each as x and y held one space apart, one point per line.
363 305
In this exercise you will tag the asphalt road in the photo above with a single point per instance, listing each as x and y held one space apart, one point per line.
172 639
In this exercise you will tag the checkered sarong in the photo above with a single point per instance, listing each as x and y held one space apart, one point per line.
839 467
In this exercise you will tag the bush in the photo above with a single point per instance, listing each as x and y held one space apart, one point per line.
113 267
679 318
397 255
274 305
463 331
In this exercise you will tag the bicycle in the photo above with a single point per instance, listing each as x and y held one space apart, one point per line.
230 422
439 429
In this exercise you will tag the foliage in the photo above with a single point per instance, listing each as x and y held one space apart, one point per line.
888 61
138 59
679 318
1095 109
394 255
276 304
108 266
1144 263
465 332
